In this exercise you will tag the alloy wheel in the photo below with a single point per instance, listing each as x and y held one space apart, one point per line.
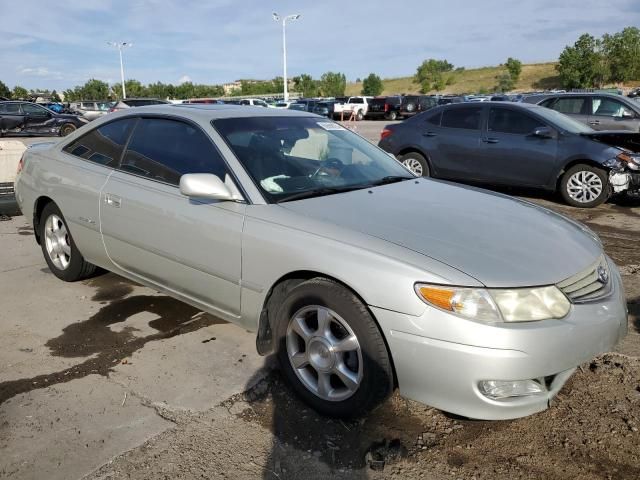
584 186
57 242
414 165
324 353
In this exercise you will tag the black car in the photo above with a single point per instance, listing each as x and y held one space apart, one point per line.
324 108
517 144
26 118
384 107
414 104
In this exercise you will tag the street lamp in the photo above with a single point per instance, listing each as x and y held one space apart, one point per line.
278 18
120 46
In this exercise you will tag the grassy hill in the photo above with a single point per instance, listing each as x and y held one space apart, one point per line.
534 76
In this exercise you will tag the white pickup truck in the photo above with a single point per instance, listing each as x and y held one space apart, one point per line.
358 106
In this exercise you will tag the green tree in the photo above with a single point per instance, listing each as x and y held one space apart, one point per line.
584 64
333 84
505 82
434 74
134 88
514 67
55 97
92 90
4 90
306 85
19 93
372 85
622 52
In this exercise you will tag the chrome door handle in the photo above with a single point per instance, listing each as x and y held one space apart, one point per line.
490 140
594 122
429 134
112 200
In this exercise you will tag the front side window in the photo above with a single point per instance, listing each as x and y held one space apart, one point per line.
293 157
505 120
607 107
164 150
34 110
103 145
467 118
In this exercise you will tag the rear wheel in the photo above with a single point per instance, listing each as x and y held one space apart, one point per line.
331 350
585 186
416 163
392 116
66 129
60 252
360 115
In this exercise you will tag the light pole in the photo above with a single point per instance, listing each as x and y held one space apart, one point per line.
120 46
284 19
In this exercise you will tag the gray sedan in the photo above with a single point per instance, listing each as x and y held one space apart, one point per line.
289 225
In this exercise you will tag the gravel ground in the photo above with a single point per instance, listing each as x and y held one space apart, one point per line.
591 431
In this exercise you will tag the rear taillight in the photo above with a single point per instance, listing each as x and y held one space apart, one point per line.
385 133
386 107
20 164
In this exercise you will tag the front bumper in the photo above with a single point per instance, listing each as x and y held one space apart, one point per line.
440 358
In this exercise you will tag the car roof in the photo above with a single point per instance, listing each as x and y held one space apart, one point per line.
207 112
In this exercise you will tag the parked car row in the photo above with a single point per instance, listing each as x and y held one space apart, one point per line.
27 118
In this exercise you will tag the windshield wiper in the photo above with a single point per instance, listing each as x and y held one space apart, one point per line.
320 192
389 179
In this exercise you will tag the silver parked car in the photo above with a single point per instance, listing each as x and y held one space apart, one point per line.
290 225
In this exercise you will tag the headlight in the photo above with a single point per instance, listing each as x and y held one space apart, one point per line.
631 161
497 305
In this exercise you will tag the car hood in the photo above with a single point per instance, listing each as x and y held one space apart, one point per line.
621 139
500 241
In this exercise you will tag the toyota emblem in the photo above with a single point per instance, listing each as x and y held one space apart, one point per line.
603 275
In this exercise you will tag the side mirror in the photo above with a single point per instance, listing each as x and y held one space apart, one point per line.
627 114
542 132
204 185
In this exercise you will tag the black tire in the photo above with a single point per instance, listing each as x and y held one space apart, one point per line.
410 158
574 199
392 116
360 115
376 383
67 129
78 268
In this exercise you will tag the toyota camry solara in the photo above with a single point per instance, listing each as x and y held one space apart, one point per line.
361 277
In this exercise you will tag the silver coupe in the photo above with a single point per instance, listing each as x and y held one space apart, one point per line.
361 277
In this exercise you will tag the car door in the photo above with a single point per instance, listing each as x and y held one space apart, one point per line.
153 232
84 166
38 119
576 106
454 147
512 154
11 117
612 114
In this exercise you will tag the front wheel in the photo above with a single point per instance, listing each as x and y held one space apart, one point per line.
584 186
331 350
416 163
67 129
392 116
60 252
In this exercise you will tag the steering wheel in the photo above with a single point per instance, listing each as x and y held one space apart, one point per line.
331 166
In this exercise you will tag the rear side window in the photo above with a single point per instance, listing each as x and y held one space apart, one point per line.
103 145
10 108
505 120
568 105
164 150
467 118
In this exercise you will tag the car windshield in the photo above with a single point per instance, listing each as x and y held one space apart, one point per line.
290 157
563 121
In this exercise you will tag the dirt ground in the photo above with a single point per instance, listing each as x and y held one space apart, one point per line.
591 431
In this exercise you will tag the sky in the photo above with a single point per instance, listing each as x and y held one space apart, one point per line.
57 45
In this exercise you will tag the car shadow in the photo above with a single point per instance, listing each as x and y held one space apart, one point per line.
105 339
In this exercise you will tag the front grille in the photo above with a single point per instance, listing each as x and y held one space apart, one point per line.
6 189
589 284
